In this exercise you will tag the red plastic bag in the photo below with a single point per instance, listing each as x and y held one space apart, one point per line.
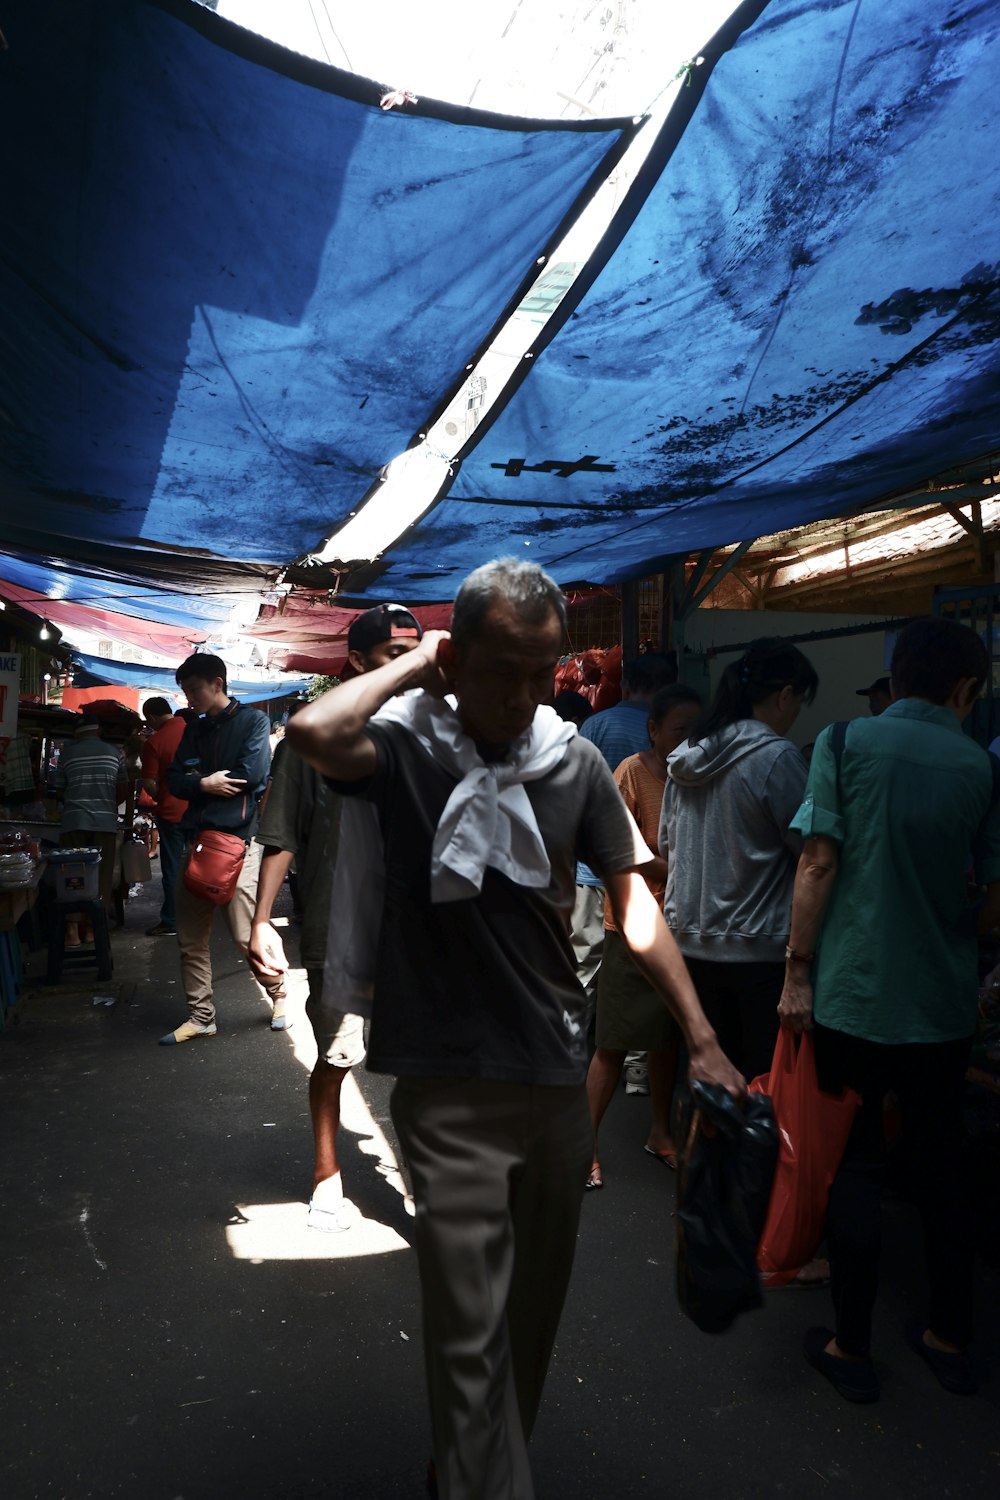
213 869
813 1127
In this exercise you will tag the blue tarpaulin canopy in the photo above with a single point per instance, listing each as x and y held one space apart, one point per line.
234 288
92 671
796 314
102 590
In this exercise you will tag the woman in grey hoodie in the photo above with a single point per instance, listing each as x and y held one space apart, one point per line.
731 793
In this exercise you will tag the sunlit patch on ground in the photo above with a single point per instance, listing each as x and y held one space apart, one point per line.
280 1231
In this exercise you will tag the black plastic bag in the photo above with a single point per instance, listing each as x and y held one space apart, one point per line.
725 1185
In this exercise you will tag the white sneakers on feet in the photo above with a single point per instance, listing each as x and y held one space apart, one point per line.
636 1074
329 1210
333 1220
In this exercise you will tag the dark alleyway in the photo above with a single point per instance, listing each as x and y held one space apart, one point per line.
173 1330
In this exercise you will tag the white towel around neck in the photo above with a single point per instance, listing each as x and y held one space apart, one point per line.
488 820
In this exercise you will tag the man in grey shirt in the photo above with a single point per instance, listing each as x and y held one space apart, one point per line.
477 1008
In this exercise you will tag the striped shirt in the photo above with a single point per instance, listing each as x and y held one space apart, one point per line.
88 777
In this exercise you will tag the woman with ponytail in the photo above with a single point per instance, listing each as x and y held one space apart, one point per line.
732 790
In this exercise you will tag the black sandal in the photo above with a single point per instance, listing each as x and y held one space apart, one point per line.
955 1371
854 1379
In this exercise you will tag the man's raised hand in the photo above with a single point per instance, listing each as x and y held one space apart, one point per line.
425 658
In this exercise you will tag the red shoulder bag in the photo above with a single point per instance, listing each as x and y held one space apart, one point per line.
213 868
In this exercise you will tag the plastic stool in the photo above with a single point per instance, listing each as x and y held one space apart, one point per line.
59 957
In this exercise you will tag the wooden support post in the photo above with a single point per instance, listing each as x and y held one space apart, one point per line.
982 556
630 621
674 586
726 567
688 590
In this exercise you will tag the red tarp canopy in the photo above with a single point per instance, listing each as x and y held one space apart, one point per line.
308 634
167 640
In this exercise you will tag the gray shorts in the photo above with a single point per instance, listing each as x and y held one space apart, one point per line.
340 1038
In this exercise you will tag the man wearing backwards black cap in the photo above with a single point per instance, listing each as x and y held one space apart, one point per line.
302 822
388 631
879 695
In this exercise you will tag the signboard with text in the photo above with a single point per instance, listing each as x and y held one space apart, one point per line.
10 687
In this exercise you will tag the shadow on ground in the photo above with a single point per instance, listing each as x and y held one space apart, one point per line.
175 1332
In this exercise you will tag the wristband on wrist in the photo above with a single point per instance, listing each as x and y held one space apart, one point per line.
793 956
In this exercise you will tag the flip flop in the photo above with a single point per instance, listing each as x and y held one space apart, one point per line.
668 1158
809 1283
595 1180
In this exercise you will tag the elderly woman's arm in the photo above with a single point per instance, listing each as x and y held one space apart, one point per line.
817 870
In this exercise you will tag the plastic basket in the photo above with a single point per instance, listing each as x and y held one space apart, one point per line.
75 873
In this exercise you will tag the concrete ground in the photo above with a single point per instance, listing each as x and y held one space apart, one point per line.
174 1331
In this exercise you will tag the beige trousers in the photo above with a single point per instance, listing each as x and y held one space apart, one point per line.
194 934
498 1172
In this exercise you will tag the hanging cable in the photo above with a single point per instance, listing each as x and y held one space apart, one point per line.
336 38
319 33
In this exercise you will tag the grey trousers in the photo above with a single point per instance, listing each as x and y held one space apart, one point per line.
498 1171
586 933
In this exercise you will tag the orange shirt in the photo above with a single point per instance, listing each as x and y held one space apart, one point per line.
643 796
157 753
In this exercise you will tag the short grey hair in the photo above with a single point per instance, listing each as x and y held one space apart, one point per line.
524 585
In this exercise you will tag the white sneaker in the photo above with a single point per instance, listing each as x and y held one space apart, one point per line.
332 1220
636 1074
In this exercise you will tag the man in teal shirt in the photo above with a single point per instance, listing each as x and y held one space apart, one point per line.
882 961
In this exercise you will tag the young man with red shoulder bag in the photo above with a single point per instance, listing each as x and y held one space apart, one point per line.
220 770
